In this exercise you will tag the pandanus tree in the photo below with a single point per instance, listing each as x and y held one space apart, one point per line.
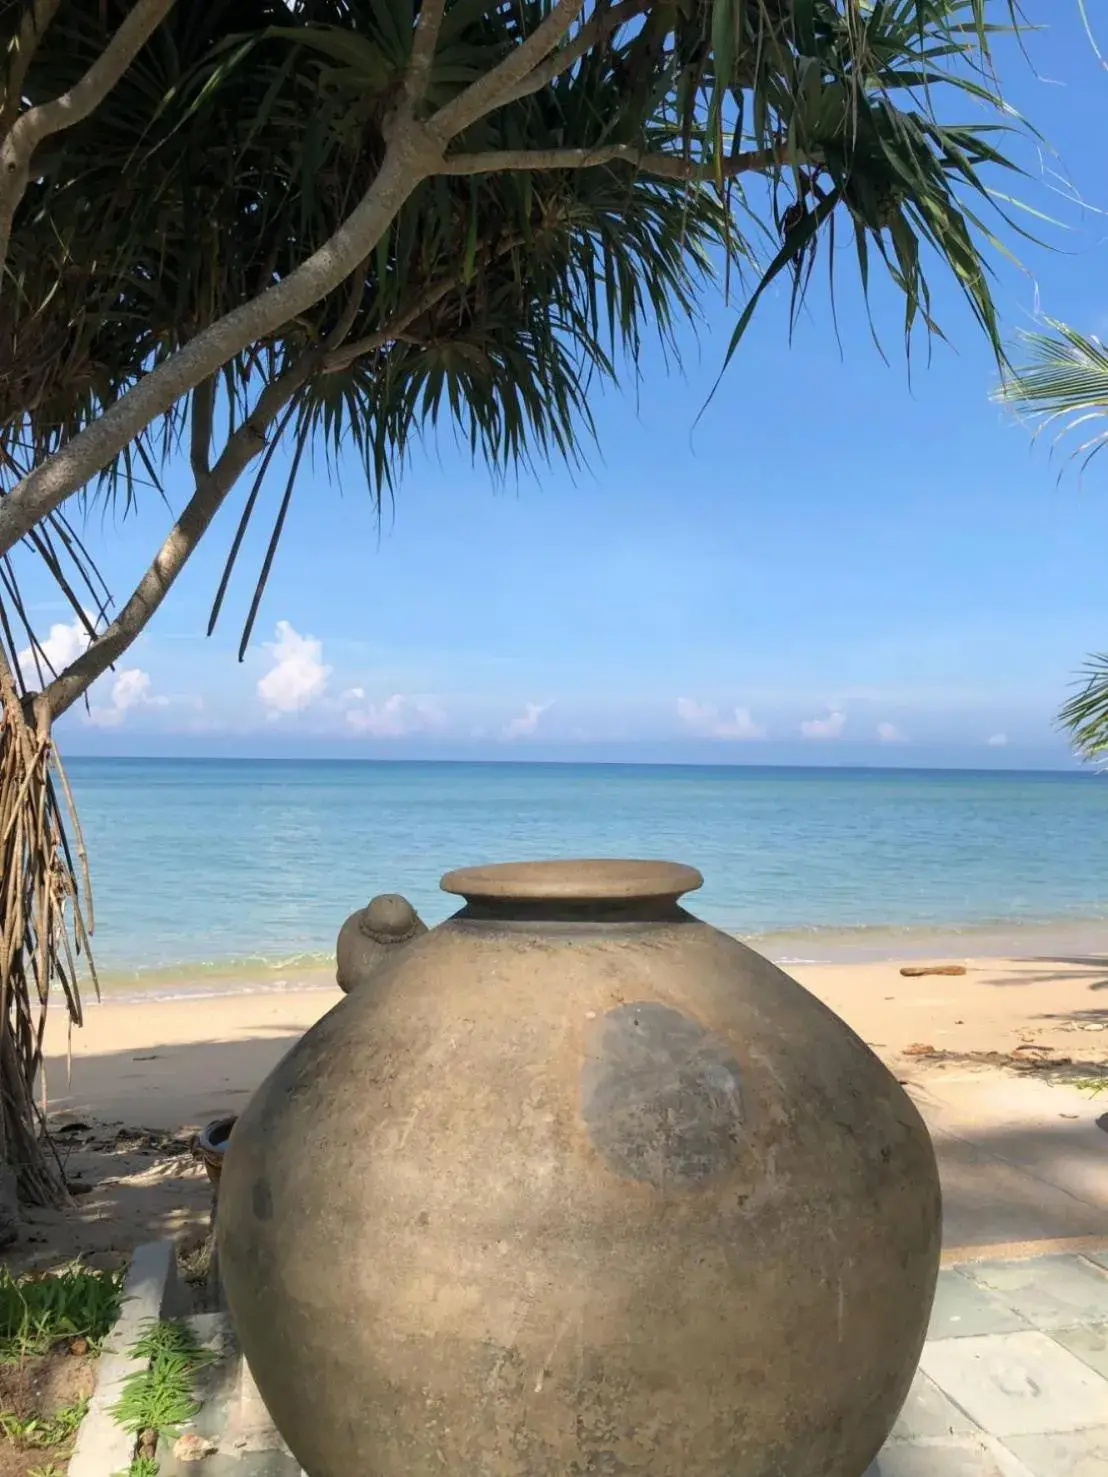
1062 385
227 226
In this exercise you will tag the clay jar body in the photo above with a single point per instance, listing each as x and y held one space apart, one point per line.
579 1185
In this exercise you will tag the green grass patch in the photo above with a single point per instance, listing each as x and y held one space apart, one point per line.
1092 1085
37 1312
143 1466
43 1431
160 1397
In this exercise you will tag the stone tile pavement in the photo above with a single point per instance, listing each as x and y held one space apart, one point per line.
1013 1382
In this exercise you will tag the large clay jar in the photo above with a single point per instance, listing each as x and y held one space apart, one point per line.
578 1186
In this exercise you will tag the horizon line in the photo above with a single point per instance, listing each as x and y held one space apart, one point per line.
1086 772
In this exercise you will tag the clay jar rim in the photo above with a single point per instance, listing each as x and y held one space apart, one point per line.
585 879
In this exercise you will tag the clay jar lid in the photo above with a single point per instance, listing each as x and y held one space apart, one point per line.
592 878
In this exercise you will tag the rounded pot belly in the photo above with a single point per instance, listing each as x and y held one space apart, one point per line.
556 1201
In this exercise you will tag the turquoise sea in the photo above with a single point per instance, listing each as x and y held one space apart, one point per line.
212 874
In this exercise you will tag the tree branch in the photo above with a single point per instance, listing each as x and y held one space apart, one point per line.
489 91
423 51
340 359
36 19
597 29
28 131
200 446
411 156
211 488
665 166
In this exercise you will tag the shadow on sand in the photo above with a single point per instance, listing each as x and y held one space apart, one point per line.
136 1183
1009 1186
131 1181
1089 967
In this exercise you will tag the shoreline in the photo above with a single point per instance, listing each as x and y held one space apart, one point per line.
815 948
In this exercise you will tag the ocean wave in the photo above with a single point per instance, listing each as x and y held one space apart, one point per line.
231 965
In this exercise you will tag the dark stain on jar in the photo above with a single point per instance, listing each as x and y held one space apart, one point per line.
661 1096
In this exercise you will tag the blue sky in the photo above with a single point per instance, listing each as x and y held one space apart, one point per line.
836 564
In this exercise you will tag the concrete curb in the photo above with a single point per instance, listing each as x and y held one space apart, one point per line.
151 1291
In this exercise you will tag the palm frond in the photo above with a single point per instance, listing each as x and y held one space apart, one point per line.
861 92
507 359
1063 383
1085 715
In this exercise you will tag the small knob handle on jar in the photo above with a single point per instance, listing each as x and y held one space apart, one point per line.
368 937
390 919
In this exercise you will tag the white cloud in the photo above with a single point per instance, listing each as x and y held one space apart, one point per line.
888 733
830 727
396 716
130 689
705 720
61 646
353 695
997 741
298 675
527 722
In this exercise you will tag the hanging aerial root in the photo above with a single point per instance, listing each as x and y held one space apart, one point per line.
43 932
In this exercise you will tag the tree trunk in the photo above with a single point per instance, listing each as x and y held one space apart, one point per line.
42 931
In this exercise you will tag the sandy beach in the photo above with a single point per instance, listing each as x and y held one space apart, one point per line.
146 1076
